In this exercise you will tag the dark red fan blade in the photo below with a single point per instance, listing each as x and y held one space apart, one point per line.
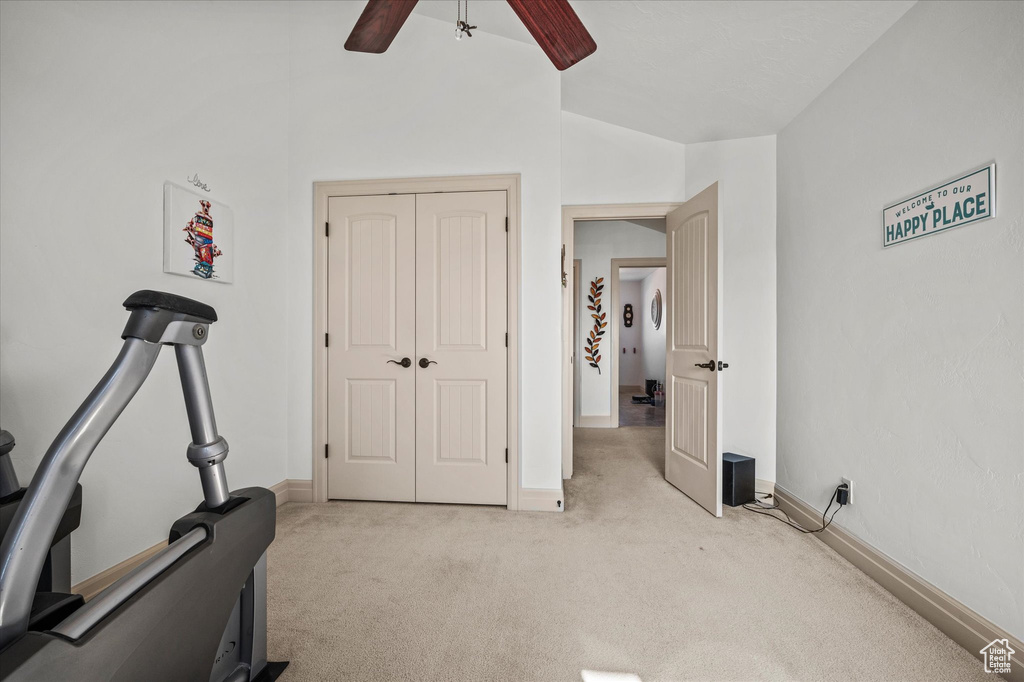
557 29
378 25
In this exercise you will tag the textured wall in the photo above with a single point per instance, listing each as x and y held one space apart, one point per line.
606 164
100 103
631 367
902 369
654 340
745 172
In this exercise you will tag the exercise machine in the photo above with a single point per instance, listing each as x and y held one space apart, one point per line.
54 585
197 609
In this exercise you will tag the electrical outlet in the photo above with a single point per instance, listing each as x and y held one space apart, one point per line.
849 484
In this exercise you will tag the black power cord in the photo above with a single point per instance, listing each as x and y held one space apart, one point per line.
766 510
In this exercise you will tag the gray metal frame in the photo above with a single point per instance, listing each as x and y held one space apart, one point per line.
22 553
40 511
207 450
197 619
99 607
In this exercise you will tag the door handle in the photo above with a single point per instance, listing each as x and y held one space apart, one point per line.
424 363
406 362
722 365
710 364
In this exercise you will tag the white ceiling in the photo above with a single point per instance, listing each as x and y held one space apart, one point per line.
698 71
656 224
634 274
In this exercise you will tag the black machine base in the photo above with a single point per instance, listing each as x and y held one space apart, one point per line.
272 671
126 645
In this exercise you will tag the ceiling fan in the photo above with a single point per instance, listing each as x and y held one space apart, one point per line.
553 24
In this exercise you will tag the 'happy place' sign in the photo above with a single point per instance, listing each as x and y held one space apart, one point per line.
964 200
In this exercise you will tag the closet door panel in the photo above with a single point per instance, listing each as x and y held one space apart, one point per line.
371 326
461 312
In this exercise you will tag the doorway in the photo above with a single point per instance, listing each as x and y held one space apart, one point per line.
416 340
692 248
602 247
638 286
572 358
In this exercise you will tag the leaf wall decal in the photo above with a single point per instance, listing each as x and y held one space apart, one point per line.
592 346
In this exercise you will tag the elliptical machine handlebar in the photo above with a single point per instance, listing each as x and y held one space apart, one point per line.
156 319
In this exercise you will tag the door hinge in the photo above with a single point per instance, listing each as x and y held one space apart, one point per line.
327 340
327 229
326 450
506 455
506 223
506 339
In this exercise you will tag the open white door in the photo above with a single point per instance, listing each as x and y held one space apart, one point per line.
693 461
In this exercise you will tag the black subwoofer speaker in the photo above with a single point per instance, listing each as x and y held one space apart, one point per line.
737 479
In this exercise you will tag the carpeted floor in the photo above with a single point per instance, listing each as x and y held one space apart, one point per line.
633 577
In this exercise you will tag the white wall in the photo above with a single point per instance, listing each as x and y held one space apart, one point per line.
100 103
606 164
653 340
745 172
429 106
103 102
596 243
902 368
631 363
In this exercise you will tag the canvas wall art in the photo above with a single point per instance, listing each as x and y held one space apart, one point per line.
198 236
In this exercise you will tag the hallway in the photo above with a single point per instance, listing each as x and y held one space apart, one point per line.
633 414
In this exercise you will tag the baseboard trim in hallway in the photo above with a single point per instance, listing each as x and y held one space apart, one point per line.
958 622
596 421
542 499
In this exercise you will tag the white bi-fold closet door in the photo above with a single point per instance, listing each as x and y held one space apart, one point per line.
417 356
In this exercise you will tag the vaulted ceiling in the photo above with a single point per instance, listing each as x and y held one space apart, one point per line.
699 71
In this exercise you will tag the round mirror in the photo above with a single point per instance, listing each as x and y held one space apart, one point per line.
656 309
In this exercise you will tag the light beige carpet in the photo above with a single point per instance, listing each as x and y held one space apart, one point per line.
633 577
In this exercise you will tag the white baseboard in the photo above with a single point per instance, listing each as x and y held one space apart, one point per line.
541 499
596 421
90 587
280 491
300 490
293 490
960 623
763 486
